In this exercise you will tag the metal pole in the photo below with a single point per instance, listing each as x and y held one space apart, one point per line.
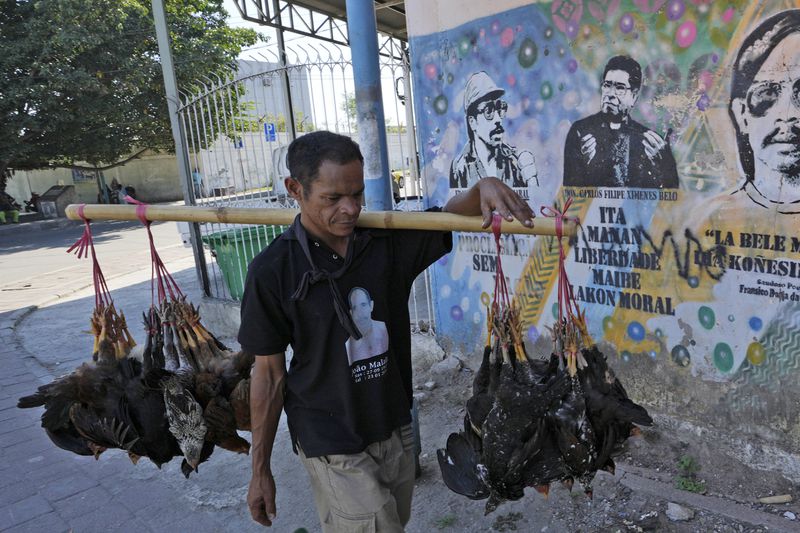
178 134
363 37
287 91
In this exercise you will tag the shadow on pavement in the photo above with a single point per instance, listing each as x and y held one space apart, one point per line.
19 238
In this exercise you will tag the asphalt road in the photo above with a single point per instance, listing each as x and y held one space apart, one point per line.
36 268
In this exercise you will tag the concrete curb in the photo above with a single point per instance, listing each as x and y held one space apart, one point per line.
634 478
37 225
18 315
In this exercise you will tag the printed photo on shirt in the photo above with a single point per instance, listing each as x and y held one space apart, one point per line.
609 148
374 335
486 152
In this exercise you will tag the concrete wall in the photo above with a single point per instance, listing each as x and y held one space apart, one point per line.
154 176
689 272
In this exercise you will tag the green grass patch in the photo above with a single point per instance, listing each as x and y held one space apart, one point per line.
445 521
687 478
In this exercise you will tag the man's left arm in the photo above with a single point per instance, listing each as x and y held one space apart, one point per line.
489 195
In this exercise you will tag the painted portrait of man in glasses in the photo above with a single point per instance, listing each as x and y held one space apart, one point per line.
609 148
765 110
486 154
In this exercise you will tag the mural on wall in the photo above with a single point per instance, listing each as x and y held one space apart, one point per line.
675 128
485 154
609 148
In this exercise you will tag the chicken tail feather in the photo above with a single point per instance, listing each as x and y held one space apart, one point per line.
458 463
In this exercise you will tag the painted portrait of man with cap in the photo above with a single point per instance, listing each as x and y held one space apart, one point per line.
486 154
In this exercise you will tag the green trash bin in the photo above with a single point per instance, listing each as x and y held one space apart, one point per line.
235 248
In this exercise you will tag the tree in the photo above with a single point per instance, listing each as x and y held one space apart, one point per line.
350 110
301 122
82 80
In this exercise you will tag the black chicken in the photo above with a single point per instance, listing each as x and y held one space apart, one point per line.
458 462
480 403
532 422
108 405
612 414
499 463
515 429
574 436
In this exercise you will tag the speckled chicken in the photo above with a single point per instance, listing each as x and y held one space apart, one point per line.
185 416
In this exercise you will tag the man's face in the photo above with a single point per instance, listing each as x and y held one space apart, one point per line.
616 96
488 124
331 204
361 310
770 117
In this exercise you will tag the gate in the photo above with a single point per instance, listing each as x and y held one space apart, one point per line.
238 130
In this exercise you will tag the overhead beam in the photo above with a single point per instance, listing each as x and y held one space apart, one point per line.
390 3
325 25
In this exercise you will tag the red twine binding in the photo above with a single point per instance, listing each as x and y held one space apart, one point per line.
567 305
82 247
160 278
501 295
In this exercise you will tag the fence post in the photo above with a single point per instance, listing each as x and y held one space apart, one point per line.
178 134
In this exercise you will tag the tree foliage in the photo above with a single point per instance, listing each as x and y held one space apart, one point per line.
301 122
350 109
82 79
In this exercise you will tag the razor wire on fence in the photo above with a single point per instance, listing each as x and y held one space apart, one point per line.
237 132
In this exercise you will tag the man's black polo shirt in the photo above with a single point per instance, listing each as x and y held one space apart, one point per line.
335 407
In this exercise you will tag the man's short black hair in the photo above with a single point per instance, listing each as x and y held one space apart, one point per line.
755 50
626 64
306 154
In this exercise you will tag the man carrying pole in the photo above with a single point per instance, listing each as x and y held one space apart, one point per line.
350 422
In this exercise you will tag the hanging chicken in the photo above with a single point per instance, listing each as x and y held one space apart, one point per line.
532 422
187 395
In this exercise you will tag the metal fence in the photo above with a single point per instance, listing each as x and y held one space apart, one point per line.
237 133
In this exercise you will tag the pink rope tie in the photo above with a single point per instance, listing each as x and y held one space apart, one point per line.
161 281
501 295
567 305
82 248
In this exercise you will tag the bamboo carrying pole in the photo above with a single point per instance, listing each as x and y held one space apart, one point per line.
375 219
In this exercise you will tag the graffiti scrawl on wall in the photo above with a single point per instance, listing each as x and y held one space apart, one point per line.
675 128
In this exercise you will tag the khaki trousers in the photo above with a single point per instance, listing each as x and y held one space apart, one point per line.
366 492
